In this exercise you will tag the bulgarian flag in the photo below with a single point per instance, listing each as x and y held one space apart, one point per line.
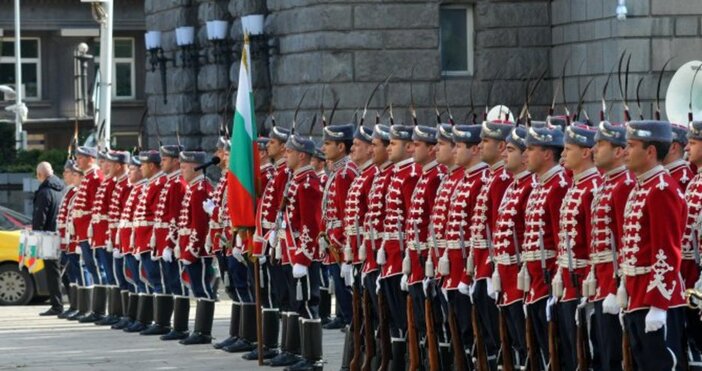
244 174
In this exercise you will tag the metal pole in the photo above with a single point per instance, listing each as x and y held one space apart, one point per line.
106 59
19 142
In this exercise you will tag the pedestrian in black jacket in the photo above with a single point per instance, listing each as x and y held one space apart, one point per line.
47 200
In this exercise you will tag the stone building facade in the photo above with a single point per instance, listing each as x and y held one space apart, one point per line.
346 48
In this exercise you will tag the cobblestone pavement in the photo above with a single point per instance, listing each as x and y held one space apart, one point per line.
31 342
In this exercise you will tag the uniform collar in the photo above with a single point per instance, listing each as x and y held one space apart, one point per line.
141 181
497 166
522 175
321 173
341 163
196 179
174 174
585 174
675 164
266 165
280 161
157 175
385 165
549 174
650 174
121 178
614 172
403 163
479 166
302 170
430 166
367 164
92 170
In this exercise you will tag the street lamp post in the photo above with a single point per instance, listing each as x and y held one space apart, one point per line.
19 106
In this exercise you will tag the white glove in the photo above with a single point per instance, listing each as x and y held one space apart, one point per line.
348 277
425 286
610 304
471 291
167 255
299 271
262 259
137 256
116 254
464 288
346 270
550 302
185 262
491 290
209 206
655 319
377 285
445 293
581 304
108 246
79 250
271 238
238 254
403 283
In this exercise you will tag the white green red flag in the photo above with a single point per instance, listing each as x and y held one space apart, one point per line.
244 173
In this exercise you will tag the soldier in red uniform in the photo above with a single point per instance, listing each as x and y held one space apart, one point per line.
81 215
482 223
654 222
416 227
437 233
606 223
319 165
302 221
72 176
674 161
190 251
453 262
98 235
123 245
162 243
142 228
544 147
116 164
689 266
393 282
336 147
574 238
507 238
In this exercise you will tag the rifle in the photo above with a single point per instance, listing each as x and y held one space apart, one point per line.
354 365
412 340
480 351
459 359
432 341
533 359
580 332
553 358
627 359
277 255
368 332
507 361
383 329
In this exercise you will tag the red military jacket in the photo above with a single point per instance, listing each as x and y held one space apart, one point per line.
193 220
439 213
145 212
333 206
484 215
302 217
419 216
681 172
575 231
356 208
654 222
62 217
165 233
219 220
508 235
542 218
124 241
403 179
117 203
375 216
268 206
99 219
693 232
463 202
607 222
83 205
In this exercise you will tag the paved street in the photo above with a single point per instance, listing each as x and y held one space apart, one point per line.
31 342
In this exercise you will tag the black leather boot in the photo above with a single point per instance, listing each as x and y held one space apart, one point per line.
399 351
234 322
202 333
114 312
129 313
145 313
84 294
163 309
271 329
73 302
311 336
180 319
247 330
99 305
290 355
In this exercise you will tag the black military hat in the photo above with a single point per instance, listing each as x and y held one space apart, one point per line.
339 133
171 150
466 134
86 151
120 157
650 131
426 134
150 156
193 157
